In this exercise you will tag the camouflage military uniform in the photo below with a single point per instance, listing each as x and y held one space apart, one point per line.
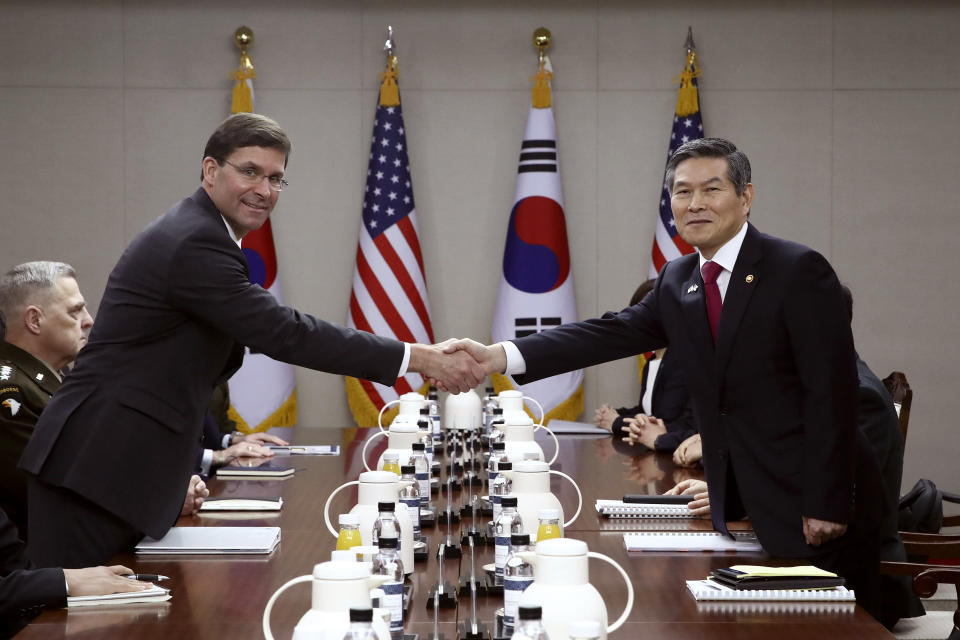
26 385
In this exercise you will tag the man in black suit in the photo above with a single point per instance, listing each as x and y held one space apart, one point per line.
25 591
759 326
112 453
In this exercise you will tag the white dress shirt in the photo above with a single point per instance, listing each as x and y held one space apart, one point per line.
726 257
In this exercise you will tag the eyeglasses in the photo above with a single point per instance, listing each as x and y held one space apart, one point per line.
253 176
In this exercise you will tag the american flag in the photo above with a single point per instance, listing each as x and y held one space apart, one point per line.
667 243
389 295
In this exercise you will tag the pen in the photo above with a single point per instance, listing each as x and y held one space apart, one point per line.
146 577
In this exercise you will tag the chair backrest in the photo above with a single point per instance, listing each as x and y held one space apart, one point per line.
896 383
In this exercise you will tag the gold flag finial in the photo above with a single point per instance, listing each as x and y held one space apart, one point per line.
542 38
242 92
243 36
687 97
540 97
389 91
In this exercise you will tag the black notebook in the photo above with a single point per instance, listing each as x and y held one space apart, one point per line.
771 578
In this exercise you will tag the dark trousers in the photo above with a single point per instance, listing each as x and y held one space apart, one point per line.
855 556
69 531
858 563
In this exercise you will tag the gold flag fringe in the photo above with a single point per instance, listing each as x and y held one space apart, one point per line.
687 99
641 363
389 91
569 409
284 416
541 87
242 96
361 406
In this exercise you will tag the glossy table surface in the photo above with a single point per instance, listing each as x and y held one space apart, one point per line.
224 596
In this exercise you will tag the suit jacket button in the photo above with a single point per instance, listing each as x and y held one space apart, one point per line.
724 410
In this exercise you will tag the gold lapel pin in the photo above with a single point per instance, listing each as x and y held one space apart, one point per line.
749 278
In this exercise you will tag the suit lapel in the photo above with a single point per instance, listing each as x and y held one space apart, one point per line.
743 282
694 307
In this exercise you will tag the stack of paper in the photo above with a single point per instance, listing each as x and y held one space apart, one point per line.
752 577
265 470
621 509
307 450
690 541
241 504
156 594
711 590
213 540
576 428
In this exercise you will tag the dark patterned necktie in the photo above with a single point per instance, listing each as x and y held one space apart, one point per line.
711 270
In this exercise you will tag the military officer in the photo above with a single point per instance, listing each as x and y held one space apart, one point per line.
47 325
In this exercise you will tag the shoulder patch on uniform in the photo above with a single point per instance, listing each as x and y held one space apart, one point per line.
10 401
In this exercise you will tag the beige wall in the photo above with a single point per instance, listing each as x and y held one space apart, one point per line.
848 111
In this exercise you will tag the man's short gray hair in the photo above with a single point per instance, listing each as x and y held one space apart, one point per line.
738 165
25 283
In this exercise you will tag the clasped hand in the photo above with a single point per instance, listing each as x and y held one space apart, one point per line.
643 429
456 365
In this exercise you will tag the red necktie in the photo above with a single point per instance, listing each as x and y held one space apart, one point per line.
711 270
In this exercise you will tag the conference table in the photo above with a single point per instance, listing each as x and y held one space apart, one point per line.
224 596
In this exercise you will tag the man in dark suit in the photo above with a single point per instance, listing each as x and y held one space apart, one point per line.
877 419
759 326
25 591
112 453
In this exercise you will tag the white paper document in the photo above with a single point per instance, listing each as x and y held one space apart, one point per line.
213 541
241 504
576 428
307 450
621 509
690 541
710 590
156 594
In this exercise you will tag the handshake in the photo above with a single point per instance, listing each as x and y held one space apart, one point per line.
457 365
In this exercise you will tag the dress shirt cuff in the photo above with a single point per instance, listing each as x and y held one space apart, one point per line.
516 365
206 462
617 427
406 360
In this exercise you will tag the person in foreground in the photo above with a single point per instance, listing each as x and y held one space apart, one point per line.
112 454
758 325
877 420
25 592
